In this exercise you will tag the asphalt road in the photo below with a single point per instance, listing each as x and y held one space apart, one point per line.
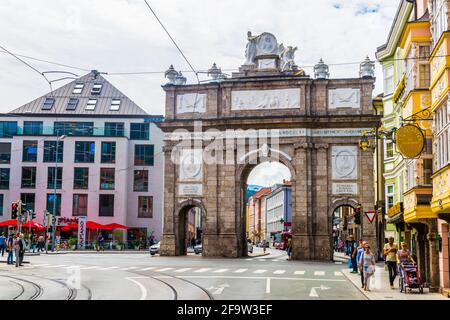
141 276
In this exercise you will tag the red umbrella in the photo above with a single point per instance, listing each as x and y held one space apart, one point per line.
6 223
116 226
34 225
89 225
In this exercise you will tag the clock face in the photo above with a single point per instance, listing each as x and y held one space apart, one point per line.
267 43
266 64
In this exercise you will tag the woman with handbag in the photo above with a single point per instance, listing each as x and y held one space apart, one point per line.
367 265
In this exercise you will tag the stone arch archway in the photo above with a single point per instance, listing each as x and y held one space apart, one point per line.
182 210
242 173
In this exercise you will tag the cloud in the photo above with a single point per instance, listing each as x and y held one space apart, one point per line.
268 174
123 36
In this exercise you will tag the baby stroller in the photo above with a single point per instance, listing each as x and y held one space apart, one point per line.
409 277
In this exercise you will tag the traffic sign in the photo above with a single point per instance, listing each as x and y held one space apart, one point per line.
371 215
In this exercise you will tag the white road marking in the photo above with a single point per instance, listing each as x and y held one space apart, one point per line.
313 292
163 269
337 262
268 285
129 268
259 271
183 270
262 277
274 260
148 268
299 272
319 273
249 259
202 270
42 264
220 270
89 268
110 268
338 273
279 271
240 270
143 290
56 266
219 289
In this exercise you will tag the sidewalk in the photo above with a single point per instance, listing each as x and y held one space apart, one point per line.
380 290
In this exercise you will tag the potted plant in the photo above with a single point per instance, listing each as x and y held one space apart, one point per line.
72 243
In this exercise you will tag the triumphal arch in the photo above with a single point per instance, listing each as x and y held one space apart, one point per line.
270 110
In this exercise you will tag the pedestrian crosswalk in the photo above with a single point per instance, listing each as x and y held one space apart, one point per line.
199 270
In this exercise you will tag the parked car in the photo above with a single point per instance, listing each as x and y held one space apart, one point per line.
154 249
198 249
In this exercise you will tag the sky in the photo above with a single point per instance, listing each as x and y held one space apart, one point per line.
122 36
116 36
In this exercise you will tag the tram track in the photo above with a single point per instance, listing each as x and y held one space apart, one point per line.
175 291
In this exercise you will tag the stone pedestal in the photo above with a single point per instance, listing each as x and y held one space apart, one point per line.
168 245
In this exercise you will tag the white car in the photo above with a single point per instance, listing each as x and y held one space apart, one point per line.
154 249
250 247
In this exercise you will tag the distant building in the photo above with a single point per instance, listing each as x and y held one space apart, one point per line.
257 215
103 149
278 210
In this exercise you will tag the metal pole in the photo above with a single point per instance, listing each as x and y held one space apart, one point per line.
54 195
46 230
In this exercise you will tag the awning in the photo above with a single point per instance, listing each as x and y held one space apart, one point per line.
92 225
116 226
7 223
34 225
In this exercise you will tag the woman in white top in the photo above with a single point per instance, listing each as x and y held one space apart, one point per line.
367 265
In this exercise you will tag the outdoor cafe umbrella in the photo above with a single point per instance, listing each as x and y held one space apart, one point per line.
7 223
116 226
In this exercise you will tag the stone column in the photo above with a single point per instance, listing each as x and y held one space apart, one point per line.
367 198
321 222
168 239
301 200
210 198
433 256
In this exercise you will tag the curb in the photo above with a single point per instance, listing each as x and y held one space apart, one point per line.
259 255
345 273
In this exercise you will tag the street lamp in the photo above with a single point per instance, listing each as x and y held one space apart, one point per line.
54 191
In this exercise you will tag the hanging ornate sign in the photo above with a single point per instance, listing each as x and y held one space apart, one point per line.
410 141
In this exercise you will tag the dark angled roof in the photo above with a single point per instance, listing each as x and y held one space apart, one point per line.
63 94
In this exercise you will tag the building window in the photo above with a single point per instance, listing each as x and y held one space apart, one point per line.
51 203
74 128
388 74
81 178
96 89
389 196
427 171
51 178
115 105
84 151
29 153
8 129
108 152
28 200
4 178
424 75
140 180
50 150
32 128
72 104
91 104
106 205
439 18
80 205
442 124
107 178
139 131
143 155
28 177
1 204
114 129
145 207
78 88
5 152
48 103
389 149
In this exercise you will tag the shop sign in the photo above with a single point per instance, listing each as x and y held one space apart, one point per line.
81 232
410 141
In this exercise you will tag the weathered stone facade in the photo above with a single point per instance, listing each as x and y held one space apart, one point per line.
308 156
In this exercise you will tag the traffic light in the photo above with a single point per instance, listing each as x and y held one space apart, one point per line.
23 208
14 210
357 215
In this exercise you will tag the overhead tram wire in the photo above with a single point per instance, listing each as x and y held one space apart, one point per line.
181 52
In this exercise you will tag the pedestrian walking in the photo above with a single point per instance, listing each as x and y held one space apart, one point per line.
2 243
22 246
100 242
40 243
390 251
367 266
18 249
289 249
10 249
352 245
33 242
404 255
359 252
